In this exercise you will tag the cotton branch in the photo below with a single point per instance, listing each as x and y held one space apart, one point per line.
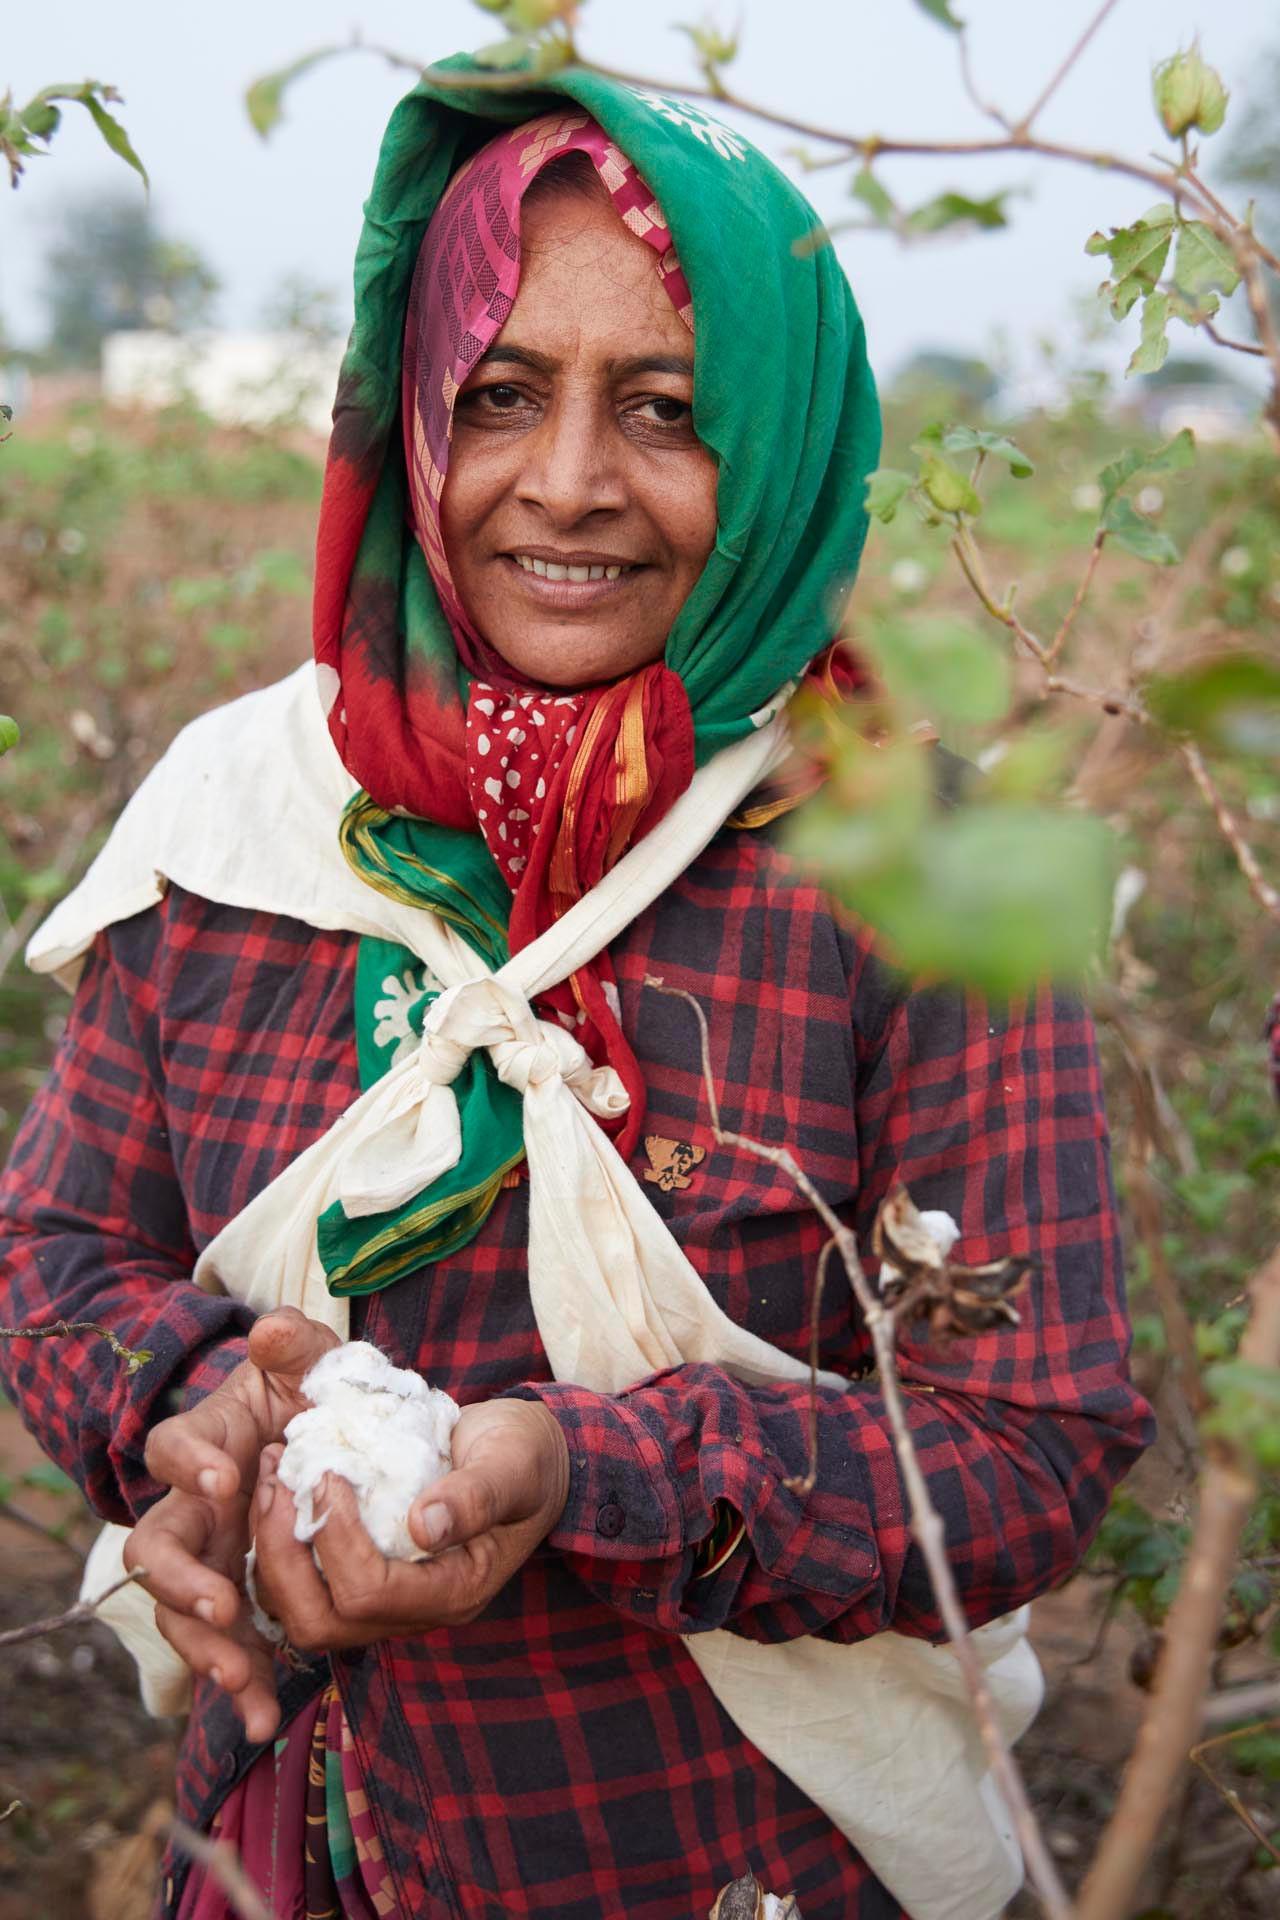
1172 1720
926 1522
1246 859
73 1617
1229 1794
133 1357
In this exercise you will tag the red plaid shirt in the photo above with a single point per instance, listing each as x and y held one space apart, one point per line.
561 1755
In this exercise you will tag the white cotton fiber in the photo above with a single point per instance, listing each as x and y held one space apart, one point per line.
382 1428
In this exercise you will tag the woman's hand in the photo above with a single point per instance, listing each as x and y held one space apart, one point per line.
193 1541
506 1490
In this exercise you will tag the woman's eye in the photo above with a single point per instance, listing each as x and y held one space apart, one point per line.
502 398
667 409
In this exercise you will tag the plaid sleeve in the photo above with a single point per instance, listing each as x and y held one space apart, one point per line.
93 1226
997 1117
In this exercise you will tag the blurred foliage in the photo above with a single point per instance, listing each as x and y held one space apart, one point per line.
109 269
25 132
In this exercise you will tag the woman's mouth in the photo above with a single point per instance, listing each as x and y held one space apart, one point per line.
571 583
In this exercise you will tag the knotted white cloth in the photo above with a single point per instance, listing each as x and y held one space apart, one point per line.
879 1734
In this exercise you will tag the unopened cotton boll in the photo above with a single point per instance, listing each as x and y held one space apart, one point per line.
382 1428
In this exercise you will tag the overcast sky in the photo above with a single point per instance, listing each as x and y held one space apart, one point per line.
260 211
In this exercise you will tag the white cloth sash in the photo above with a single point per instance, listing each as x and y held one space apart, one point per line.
879 1734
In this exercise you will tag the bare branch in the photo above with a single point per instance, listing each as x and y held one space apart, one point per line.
1229 1794
803 1484
926 1523
1083 585
1236 346
1023 126
985 107
73 1617
133 1357
1246 859
1173 1715
223 1863
1143 1197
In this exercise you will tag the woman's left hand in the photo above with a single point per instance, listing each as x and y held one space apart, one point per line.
507 1488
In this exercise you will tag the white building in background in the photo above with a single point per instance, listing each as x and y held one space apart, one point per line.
241 379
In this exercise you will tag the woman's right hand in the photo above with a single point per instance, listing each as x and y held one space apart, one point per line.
193 1542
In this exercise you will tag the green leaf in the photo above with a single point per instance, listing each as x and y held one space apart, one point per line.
1177 453
975 440
957 209
1202 263
1127 528
112 132
865 187
1137 254
10 733
938 667
994 897
1152 349
946 487
1231 703
940 10
887 487
264 100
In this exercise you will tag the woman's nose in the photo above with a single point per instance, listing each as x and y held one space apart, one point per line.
571 467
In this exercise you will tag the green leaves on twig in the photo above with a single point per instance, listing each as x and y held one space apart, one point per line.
264 99
25 132
1121 520
939 490
9 732
1203 269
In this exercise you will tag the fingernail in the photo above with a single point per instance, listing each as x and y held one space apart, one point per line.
207 1480
435 1523
266 1494
205 1608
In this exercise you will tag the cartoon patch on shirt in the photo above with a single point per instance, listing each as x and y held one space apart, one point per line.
671 1162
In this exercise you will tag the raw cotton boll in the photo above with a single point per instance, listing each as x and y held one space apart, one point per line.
942 1230
381 1428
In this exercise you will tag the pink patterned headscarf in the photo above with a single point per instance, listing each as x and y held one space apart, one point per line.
463 290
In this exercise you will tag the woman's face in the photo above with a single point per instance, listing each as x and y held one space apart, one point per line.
579 505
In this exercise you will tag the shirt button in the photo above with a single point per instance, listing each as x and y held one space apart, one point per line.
610 1520
228 1768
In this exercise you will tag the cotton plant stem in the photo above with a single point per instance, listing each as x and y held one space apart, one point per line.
1143 1197
1083 585
1246 859
1033 112
926 1522
75 1616
1229 1794
1172 1720
133 1357
223 1863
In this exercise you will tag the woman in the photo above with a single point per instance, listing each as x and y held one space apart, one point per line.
557 617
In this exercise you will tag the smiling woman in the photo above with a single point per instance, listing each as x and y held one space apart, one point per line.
365 1045
580 505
